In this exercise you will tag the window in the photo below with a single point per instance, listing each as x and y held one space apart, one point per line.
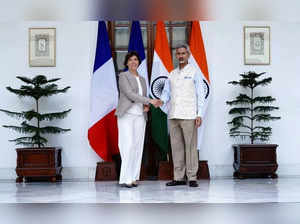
119 31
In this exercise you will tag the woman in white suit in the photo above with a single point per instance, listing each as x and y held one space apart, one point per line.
132 115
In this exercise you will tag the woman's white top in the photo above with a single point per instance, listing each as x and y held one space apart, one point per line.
137 108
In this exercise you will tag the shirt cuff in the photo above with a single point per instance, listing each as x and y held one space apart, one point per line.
163 100
199 114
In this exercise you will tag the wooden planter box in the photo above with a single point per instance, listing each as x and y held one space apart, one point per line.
257 160
39 164
165 170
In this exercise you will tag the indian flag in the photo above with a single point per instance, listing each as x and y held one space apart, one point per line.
161 67
198 59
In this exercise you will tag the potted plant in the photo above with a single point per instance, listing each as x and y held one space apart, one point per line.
251 113
36 160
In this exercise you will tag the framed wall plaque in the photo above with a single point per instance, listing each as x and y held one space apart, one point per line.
42 47
256 45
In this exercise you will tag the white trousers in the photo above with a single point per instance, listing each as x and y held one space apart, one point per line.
131 143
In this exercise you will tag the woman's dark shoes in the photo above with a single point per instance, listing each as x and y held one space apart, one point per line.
134 184
126 185
176 183
193 183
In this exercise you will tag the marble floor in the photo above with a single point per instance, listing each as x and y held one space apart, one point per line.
215 191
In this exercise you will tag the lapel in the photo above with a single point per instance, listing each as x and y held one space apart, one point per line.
133 82
144 87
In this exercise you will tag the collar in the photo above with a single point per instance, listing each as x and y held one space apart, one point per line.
184 68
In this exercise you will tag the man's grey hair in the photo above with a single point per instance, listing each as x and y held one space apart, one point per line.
183 45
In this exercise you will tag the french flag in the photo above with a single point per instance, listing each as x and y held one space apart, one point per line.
136 44
103 129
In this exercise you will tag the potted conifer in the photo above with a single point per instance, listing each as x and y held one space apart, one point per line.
251 114
37 160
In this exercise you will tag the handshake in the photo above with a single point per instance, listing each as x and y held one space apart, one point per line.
156 102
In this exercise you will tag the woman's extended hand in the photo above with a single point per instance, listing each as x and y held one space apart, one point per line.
156 102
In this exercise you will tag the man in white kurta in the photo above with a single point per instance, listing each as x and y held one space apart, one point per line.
184 91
